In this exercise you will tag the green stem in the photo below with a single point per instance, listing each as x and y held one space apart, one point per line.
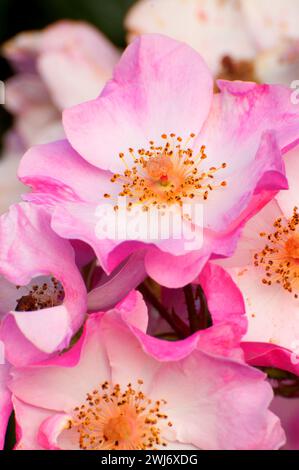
192 314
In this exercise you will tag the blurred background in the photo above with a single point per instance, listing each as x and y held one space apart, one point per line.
16 16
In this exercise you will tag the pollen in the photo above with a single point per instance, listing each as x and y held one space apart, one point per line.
168 173
41 295
280 256
113 418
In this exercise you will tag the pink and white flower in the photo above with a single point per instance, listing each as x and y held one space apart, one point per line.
265 268
190 148
60 66
251 40
43 297
120 389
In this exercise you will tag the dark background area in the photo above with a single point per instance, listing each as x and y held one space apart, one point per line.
17 16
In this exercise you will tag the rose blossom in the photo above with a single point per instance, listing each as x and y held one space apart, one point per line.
240 39
42 295
117 388
265 268
155 138
60 66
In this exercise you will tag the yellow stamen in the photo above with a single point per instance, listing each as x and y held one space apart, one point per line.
280 256
116 419
41 295
167 174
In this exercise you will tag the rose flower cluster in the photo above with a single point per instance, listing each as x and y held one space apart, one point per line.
149 279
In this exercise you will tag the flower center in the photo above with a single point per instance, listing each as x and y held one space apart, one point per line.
280 256
112 419
292 247
166 174
41 295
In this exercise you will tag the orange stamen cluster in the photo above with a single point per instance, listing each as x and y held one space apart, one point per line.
48 294
280 257
112 419
166 174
